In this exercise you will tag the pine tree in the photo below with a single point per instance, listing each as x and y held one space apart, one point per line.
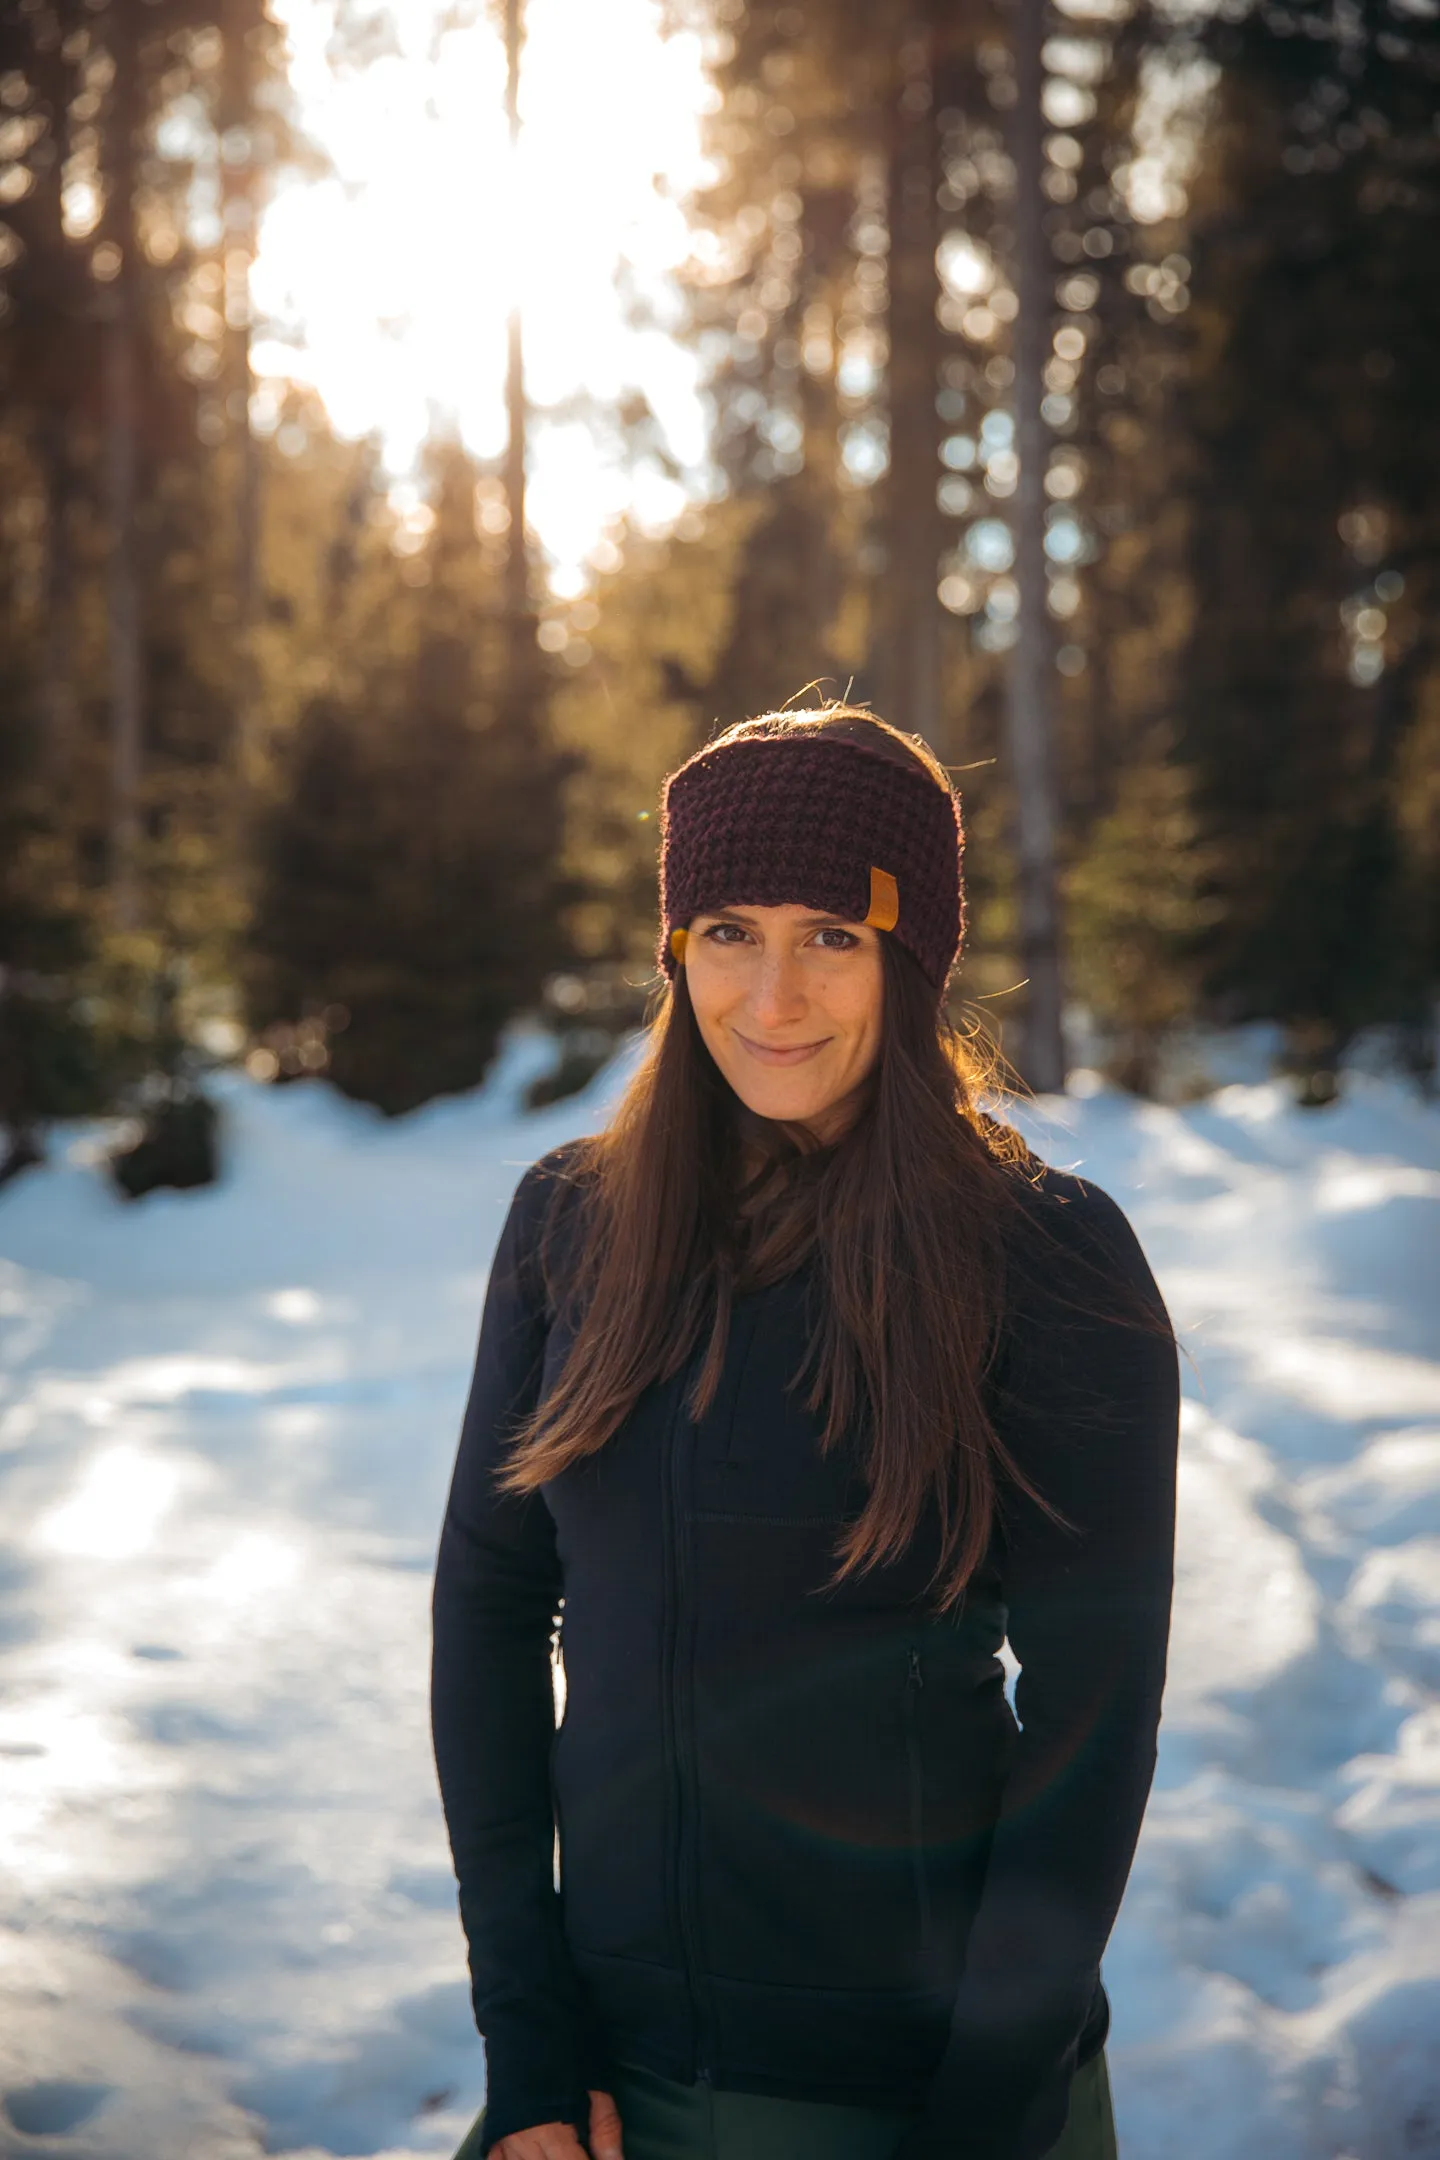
51 1061
123 676
408 895
1314 538
642 663
1138 907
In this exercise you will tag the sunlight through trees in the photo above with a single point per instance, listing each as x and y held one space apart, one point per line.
1060 379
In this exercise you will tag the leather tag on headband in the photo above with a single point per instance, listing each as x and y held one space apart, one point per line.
677 941
884 900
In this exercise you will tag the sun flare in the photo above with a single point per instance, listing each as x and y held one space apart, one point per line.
386 284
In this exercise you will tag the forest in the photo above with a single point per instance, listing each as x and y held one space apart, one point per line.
1069 373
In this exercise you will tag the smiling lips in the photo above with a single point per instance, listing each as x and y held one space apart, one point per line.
774 1054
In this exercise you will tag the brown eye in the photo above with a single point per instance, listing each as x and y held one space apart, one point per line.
833 931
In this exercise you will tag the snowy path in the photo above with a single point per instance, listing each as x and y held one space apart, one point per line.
226 1424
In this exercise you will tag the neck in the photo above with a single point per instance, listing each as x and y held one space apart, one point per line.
759 1136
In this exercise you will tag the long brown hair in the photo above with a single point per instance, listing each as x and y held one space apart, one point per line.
905 1217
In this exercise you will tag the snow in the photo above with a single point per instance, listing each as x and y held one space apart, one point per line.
226 1424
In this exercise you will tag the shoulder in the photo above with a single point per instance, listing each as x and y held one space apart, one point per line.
1075 1209
551 1176
545 1208
1074 1239
1071 1212
1086 1354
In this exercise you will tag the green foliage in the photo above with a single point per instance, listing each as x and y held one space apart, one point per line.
97 987
405 875
51 1061
367 796
1315 447
641 703
1138 907
86 1013
1416 811
407 864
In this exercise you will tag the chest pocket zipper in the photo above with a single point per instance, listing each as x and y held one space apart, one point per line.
914 1683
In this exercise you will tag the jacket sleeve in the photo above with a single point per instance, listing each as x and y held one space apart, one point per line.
1089 1407
496 1597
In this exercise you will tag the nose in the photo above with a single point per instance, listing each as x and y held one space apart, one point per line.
777 996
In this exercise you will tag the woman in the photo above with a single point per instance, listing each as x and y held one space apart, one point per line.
798 1389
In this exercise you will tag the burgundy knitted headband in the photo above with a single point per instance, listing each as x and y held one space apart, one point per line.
823 820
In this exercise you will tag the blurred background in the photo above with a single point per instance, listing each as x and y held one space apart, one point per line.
422 424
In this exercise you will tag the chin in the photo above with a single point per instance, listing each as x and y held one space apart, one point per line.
785 1106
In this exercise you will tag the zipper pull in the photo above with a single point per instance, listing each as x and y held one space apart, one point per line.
917 1678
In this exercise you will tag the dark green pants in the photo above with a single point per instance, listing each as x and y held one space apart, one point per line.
660 2120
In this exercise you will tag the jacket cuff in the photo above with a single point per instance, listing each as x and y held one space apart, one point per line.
541 2072
512 2103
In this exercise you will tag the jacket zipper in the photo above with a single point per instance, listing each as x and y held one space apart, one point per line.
680 1713
914 1682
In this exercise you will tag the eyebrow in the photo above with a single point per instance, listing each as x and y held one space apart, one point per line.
742 915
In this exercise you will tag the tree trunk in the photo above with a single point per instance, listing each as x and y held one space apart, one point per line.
1030 727
62 292
519 617
238 166
909 655
121 309
58 704
824 218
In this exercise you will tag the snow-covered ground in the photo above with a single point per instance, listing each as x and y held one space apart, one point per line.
226 1425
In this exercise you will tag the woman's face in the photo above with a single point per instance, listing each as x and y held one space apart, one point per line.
788 1002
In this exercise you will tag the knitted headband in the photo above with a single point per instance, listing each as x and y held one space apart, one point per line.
836 820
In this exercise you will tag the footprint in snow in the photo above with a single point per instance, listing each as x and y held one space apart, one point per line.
52 2107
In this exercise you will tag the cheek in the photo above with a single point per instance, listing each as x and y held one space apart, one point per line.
712 993
707 993
852 1001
